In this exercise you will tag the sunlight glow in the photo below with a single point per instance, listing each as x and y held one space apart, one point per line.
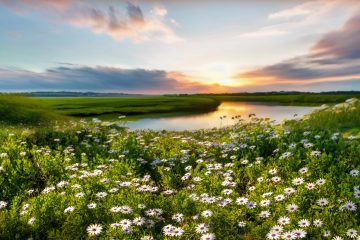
228 82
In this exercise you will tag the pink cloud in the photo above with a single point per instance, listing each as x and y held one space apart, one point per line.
159 11
121 24
22 7
131 24
342 43
334 58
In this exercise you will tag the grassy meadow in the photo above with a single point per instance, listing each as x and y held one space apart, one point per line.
95 106
82 179
147 106
20 110
293 99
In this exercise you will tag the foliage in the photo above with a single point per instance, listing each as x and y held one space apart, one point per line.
249 181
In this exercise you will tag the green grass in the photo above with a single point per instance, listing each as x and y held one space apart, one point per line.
138 107
19 110
16 109
341 117
95 106
305 99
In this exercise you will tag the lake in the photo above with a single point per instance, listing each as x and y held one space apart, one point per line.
212 119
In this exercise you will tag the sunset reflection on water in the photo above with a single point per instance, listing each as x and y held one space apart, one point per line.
217 119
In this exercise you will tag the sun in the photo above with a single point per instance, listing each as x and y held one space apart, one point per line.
228 82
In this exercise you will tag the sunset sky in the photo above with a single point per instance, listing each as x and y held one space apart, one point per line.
179 46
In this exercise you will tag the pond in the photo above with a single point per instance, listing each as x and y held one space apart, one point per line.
228 109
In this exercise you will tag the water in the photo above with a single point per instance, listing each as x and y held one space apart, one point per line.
212 119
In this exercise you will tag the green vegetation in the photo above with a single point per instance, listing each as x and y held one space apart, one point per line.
83 107
298 99
344 117
168 105
18 110
15 109
254 180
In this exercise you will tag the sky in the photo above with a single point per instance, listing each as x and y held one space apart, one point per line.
179 46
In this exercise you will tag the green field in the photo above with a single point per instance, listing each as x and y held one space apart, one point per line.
299 99
16 109
85 180
83 107
174 104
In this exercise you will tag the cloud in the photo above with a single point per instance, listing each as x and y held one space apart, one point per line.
131 24
304 22
333 58
341 44
300 10
347 85
121 24
159 11
311 9
263 32
175 23
72 77
311 17
104 79
22 7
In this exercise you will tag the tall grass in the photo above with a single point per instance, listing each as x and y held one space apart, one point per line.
19 110
342 117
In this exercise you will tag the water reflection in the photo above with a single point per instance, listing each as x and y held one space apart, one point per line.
217 119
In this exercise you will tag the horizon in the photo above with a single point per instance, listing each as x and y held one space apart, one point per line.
179 47
294 92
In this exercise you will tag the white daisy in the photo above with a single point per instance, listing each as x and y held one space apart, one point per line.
273 235
288 235
297 181
241 201
317 223
304 223
322 202
69 209
241 224
94 229
284 220
352 233
292 207
206 213
299 233
208 236
91 205
201 228
3 204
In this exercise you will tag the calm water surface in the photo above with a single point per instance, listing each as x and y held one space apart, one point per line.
212 119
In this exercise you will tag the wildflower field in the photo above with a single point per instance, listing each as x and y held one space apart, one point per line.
254 180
